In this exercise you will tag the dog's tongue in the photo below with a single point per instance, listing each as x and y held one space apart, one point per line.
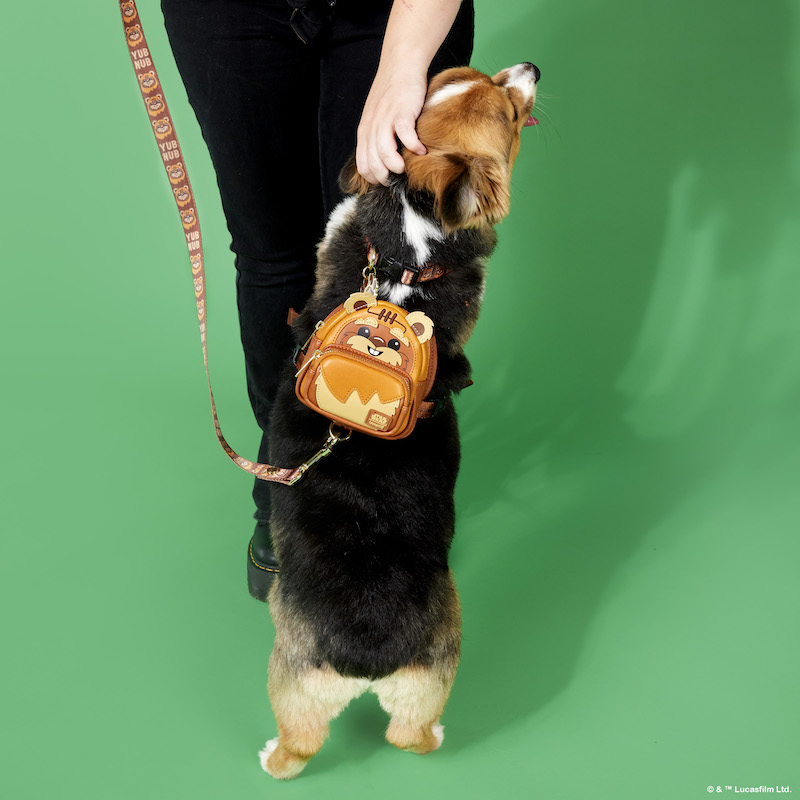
530 121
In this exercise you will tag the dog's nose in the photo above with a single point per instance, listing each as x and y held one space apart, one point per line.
536 72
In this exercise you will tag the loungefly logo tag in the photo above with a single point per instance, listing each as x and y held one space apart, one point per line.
378 421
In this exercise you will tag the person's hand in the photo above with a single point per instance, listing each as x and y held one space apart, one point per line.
392 107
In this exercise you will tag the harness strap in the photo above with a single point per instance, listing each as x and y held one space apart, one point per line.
172 157
408 275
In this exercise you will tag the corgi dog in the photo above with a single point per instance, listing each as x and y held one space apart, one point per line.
365 600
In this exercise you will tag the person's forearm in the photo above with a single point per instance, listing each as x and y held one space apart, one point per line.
415 31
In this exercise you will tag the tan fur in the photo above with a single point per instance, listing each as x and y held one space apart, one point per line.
351 180
305 698
470 155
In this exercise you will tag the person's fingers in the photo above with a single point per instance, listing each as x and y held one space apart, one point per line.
387 150
390 113
362 162
376 170
407 133
378 173
376 153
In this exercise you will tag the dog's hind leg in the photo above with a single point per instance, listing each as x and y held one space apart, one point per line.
415 698
304 703
415 695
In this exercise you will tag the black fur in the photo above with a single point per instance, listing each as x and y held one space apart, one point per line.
363 538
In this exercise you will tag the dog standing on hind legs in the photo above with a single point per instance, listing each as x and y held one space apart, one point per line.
305 700
365 600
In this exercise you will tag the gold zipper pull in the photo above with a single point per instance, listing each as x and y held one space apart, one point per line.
316 328
316 355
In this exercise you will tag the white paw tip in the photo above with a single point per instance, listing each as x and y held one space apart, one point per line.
438 732
263 755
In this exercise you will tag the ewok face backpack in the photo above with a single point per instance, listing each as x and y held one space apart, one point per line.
369 365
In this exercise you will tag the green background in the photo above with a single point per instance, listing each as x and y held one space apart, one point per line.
627 545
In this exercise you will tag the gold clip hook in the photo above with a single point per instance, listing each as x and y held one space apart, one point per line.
370 283
333 439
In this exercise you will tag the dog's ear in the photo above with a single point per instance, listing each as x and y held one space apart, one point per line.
350 180
468 190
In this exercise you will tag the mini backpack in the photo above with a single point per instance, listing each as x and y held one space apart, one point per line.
368 366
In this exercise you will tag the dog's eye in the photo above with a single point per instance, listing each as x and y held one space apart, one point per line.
365 331
394 344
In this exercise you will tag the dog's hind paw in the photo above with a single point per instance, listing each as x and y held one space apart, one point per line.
438 732
280 762
263 755
419 740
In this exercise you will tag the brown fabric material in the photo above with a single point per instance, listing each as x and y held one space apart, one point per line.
374 383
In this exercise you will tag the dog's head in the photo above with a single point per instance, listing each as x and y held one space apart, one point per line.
470 125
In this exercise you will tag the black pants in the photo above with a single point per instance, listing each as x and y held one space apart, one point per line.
279 116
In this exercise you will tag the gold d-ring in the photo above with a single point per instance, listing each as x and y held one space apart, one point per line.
337 437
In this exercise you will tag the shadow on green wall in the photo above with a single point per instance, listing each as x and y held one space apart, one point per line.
640 320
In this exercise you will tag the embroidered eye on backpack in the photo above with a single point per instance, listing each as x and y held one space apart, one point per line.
369 365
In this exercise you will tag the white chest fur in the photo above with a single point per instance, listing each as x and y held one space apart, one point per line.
397 293
419 232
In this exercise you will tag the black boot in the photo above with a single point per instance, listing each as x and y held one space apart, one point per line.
262 567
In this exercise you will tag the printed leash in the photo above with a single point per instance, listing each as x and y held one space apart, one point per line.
172 158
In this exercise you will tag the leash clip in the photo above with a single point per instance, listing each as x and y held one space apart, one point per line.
334 437
370 273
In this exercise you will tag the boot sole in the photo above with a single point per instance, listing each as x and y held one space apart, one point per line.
259 577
